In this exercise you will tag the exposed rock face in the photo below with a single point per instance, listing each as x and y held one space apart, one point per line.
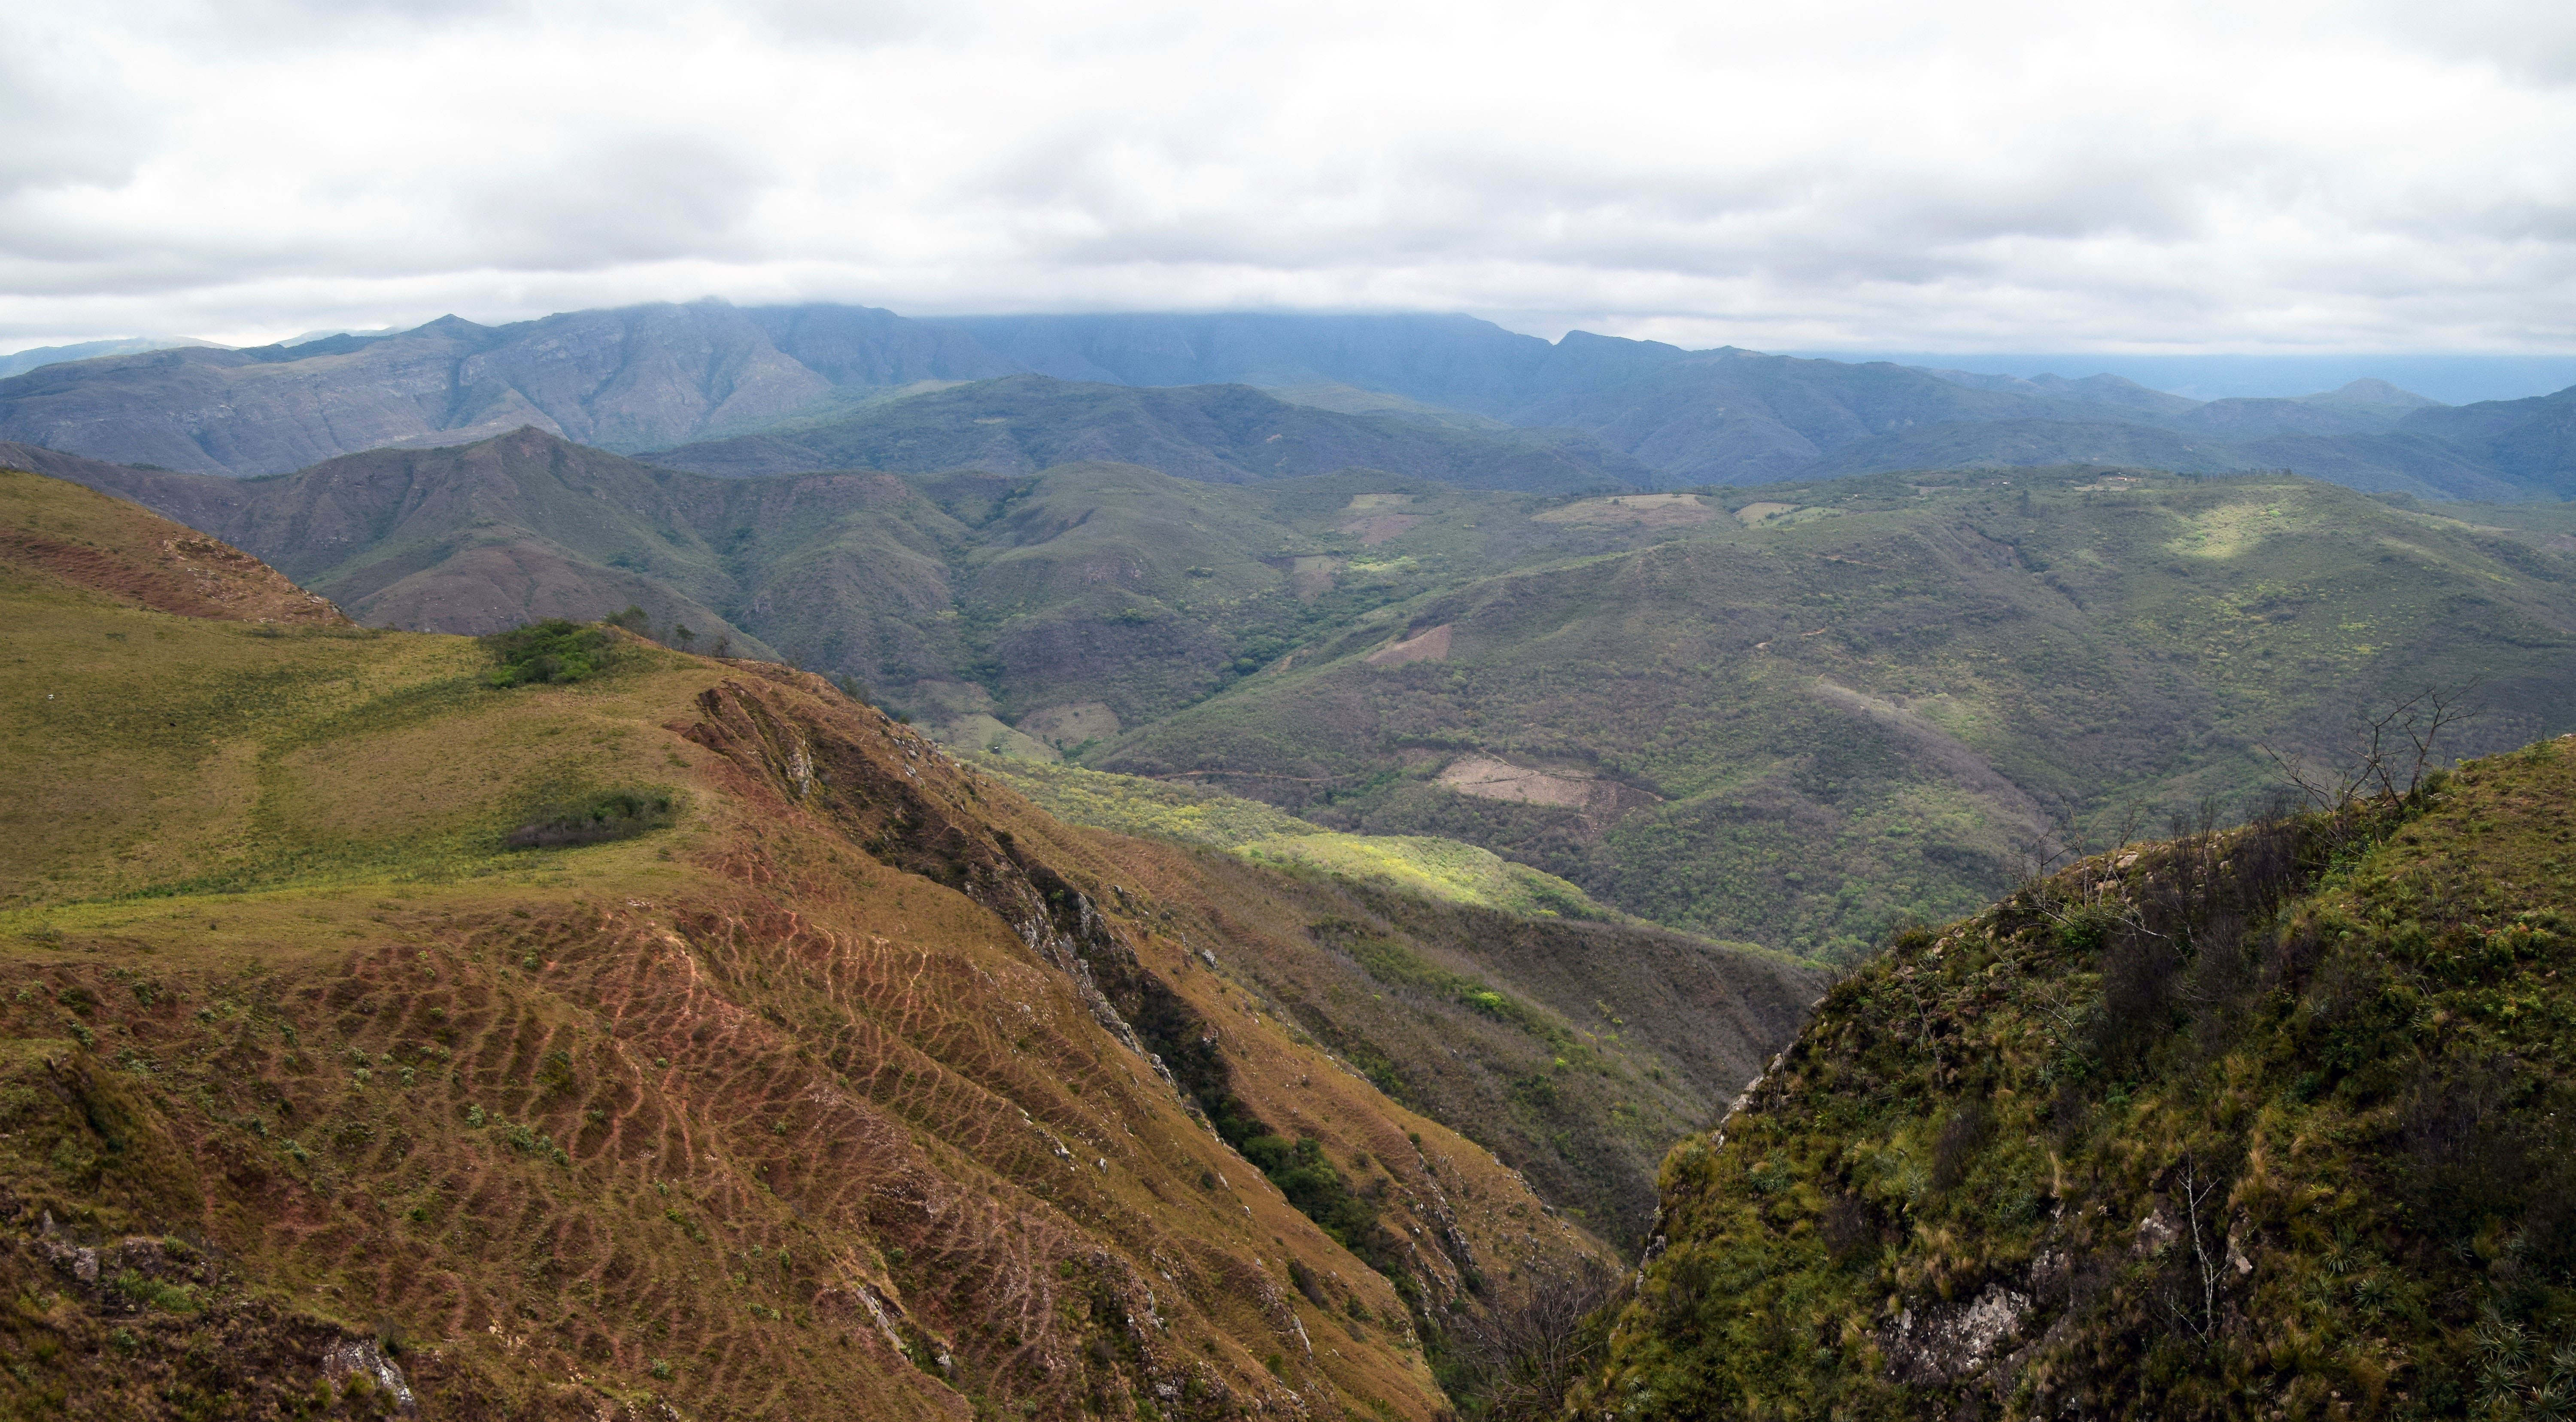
1950 1343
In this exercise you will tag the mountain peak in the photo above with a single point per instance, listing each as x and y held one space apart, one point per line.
2372 393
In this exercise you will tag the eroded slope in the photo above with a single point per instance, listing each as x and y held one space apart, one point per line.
825 1100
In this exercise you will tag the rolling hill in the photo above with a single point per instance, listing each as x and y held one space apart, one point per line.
688 1036
2262 1123
1860 702
1088 583
1792 716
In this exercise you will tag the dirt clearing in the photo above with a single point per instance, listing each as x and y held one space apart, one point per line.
1431 646
1646 510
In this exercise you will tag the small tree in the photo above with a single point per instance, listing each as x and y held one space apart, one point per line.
550 651
1527 1351
2385 764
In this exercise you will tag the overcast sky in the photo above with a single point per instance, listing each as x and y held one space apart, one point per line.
2277 176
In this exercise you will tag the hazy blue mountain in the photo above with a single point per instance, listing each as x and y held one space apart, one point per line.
1226 434
2254 419
768 389
865 346
2373 395
20 362
626 379
2531 442
2109 390
1454 361
1740 417
2452 379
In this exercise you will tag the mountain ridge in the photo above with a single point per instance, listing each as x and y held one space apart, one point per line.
667 376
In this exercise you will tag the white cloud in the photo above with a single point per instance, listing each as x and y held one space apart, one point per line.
1834 175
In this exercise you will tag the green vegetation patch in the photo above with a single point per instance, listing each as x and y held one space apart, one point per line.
1434 868
554 650
598 818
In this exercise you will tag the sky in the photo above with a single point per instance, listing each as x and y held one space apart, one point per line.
2287 178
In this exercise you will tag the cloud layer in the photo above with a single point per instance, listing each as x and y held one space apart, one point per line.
1828 175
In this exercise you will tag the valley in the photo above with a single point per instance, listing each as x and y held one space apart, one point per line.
1796 716
1054 870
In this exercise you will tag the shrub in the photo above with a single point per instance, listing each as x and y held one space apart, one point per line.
1955 1149
598 818
550 651
1314 1187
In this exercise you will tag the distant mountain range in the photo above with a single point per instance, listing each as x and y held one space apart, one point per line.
779 389
20 362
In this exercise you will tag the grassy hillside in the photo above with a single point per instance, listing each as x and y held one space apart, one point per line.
730 1112
1862 702
789 1068
65 534
1440 869
1794 715
2262 1123
1086 583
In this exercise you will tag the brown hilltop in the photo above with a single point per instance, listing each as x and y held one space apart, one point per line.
62 533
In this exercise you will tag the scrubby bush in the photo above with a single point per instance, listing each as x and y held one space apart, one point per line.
551 651
597 818
1314 1186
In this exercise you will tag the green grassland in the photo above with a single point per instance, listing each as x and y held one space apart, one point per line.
2267 1123
1439 869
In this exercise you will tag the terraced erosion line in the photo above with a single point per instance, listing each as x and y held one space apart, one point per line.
911 827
